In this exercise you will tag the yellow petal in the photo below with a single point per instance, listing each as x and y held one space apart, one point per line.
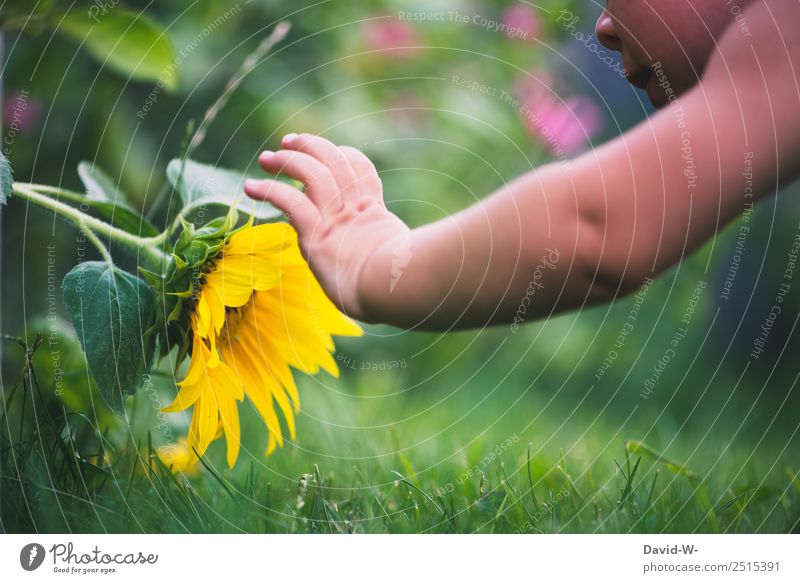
269 238
229 416
267 382
202 359
203 427
186 397
203 322
226 383
271 442
197 363
216 308
236 277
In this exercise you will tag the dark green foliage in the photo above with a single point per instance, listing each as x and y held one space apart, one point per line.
111 311
130 43
66 472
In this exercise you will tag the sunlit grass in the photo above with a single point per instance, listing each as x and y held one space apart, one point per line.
353 471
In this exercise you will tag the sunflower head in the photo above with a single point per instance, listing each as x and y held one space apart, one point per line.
246 308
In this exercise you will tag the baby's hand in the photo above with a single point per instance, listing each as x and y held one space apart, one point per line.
341 219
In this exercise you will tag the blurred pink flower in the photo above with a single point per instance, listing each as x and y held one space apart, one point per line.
521 22
393 38
20 112
565 125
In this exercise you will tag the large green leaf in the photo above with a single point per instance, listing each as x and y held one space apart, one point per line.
121 217
128 42
6 179
201 184
111 310
108 202
98 184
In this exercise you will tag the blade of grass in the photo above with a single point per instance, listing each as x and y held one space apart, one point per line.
217 477
420 490
530 479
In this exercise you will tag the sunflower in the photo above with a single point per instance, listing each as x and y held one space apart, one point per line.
259 312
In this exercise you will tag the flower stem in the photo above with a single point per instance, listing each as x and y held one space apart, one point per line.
97 243
146 247
79 198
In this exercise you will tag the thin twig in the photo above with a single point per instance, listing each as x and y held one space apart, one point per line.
251 61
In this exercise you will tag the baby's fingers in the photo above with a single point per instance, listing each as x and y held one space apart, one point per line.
328 154
320 185
367 179
301 212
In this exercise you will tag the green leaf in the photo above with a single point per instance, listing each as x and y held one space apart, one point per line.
128 42
122 218
641 448
99 186
111 310
202 184
108 202
6 179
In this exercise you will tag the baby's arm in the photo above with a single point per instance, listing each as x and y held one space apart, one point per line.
566 234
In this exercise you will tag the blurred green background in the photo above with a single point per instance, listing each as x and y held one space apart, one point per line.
443 105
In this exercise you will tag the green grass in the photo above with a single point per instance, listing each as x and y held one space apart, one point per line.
373 456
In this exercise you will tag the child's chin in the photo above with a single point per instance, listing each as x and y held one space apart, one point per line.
656 94
658 99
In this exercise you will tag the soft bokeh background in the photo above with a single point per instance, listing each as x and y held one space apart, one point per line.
364 74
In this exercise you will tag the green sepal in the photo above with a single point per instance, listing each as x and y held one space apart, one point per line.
214 229
182 294
175 313
180 264
151 277
199 252
184 348
186 236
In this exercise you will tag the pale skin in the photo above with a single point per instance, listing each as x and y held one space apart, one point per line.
619 214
